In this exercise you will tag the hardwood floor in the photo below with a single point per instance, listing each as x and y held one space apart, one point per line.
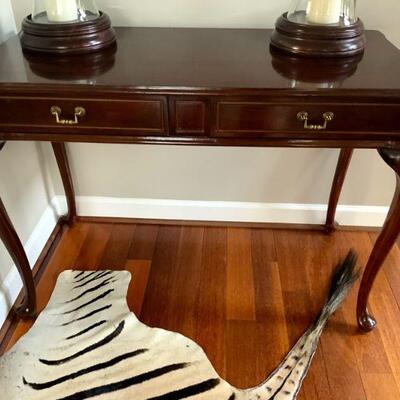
246 295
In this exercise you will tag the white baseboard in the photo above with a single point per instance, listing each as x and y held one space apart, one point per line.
225 211
222 211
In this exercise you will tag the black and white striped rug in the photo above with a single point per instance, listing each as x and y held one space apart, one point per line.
87 344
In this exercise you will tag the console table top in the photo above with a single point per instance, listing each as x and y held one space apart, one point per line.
201 59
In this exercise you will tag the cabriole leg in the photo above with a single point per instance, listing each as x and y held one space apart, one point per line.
383 245
65 172
14 246
337 185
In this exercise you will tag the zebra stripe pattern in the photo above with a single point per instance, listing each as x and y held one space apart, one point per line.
86 344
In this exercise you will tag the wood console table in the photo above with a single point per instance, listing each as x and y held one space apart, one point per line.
213 87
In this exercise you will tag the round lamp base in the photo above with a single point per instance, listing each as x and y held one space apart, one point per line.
68 38
318 40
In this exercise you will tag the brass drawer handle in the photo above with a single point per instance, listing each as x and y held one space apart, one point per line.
303 116
79 112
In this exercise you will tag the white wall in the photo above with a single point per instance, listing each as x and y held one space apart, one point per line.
24 189
234 174
382 15
7 22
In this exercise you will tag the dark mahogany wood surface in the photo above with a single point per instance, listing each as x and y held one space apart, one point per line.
384 243
186 279
60 153
342 167
205 87
187 59
13 244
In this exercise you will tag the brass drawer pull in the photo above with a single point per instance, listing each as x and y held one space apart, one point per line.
79 112
303 116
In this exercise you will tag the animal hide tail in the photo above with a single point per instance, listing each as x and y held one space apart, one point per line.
285 382
343 278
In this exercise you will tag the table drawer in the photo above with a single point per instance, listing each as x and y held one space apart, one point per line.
133 116
236 118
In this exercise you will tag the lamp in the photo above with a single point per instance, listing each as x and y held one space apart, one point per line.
66 27
316 28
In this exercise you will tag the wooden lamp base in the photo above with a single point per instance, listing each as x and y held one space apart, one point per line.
68 38
310 40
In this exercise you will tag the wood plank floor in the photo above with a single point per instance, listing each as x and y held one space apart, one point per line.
246 295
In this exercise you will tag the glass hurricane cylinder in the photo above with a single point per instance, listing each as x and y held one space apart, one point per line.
320 28
64 11
323 12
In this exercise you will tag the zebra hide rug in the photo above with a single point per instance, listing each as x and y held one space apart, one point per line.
87 344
